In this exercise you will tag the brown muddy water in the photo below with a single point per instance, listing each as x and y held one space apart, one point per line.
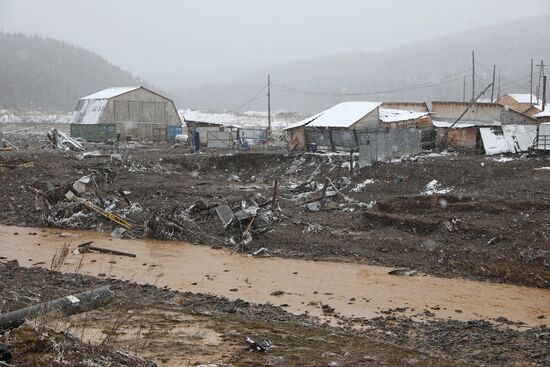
351 289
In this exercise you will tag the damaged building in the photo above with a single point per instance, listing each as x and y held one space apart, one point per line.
134 113
343 116
489 128
406 115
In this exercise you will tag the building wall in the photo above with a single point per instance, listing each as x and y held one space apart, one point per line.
407 106
369 121
141 106
480 112
297 138
465 140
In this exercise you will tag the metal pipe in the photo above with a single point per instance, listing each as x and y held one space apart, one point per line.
70 305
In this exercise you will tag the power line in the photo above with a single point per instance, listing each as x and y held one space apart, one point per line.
444 80
256 96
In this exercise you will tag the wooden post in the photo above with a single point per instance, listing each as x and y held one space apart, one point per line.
333 148
338 174
351 162
274 197
356 139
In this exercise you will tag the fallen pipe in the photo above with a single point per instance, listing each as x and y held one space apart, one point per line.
70 305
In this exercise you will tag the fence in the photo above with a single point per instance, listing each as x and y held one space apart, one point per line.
388 144
219 139
253 136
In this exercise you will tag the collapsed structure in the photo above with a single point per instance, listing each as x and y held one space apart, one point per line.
489 128
135 113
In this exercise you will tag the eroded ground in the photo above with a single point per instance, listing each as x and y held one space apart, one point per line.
492 224
485 219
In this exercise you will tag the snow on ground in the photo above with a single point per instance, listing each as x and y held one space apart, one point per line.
7 116
543 168
252 119
361 186
434 187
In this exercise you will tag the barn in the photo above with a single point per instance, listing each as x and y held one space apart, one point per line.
134 113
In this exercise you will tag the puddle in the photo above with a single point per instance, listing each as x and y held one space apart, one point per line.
351 289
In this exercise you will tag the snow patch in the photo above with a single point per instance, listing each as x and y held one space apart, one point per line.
361 186
434 187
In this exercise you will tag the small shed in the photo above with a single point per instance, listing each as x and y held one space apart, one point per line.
343 116
409 114
135 113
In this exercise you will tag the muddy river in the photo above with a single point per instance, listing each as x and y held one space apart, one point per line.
351 289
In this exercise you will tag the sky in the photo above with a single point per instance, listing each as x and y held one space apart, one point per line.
207 41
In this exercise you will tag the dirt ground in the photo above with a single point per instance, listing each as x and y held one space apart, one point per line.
176 329
492 224
486 218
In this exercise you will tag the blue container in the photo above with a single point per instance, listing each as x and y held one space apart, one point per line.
312 147
171 132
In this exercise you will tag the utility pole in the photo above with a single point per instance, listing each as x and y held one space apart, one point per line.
531 89
493 83
541 74
498 94
472 102
473 77
464 90
269 104
543 92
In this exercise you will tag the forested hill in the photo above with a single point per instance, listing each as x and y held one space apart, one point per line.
424 71
42 73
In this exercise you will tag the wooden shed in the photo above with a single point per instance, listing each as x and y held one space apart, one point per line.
343 116
135 113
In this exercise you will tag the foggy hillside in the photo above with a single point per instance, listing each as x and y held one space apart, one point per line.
46 74
432 69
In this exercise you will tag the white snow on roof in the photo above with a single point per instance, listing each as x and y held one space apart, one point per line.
245 119
110 93
545 113
522 97
341 115
464 124
392 115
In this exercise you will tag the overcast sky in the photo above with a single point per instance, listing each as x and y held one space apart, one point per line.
175 42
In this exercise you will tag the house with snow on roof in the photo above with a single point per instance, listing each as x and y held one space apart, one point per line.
522 102
134 113
343 116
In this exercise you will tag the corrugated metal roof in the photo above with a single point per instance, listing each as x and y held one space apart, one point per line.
342 115
508 138
110 93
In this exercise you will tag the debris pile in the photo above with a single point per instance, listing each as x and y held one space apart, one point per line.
61 141
79 206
